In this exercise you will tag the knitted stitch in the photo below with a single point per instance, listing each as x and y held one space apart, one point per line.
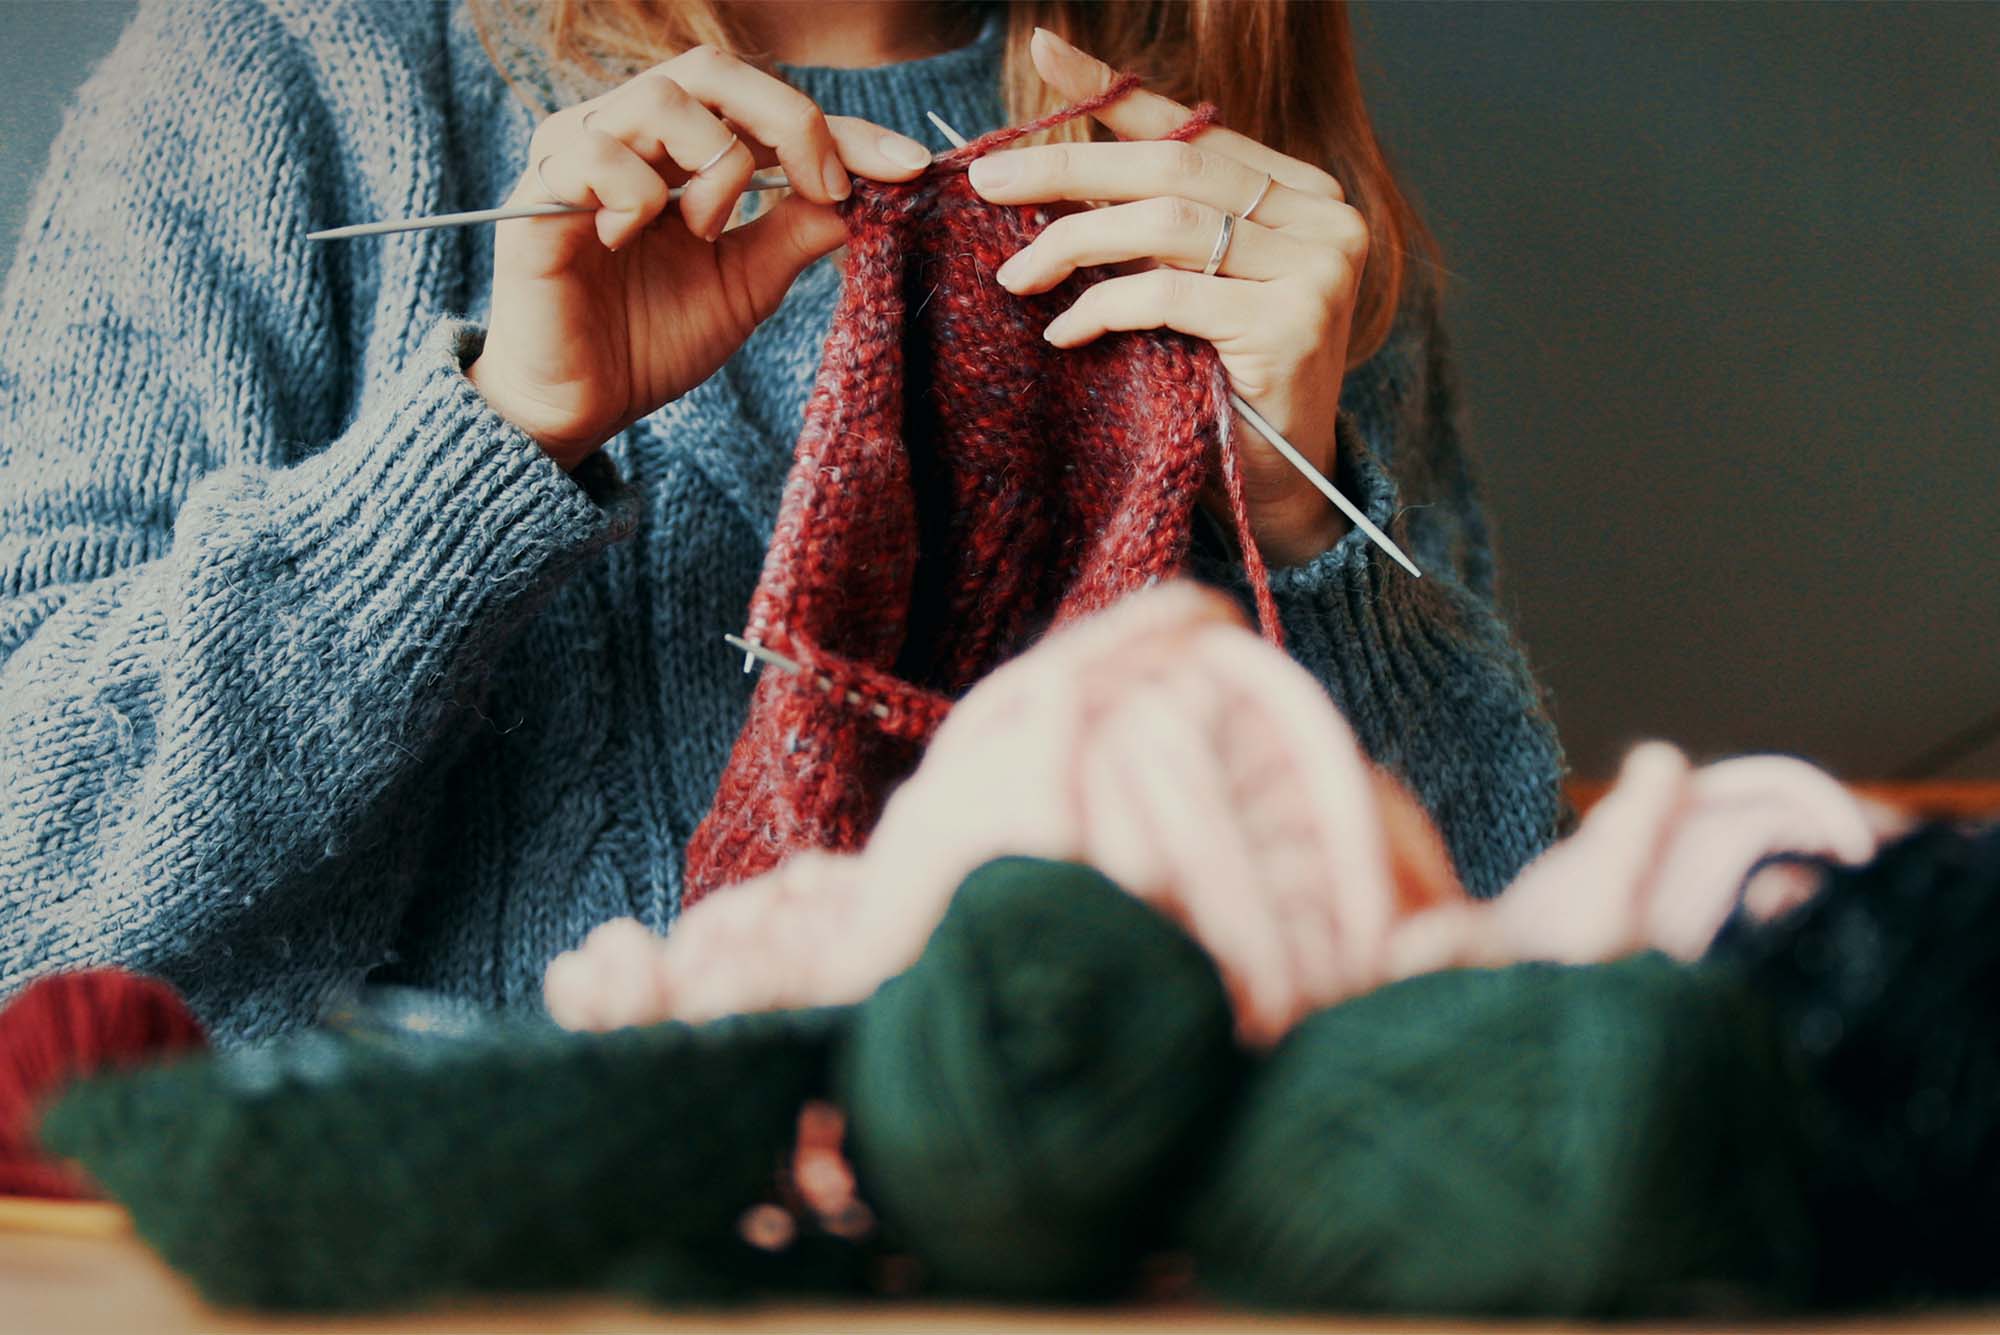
313 667
960 486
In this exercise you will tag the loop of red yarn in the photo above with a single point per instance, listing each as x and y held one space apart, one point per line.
959 488
64 1026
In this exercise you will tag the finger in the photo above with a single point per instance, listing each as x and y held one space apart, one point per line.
566 990
597 170
1147 115
1123 172
879 154
1581 900
670 129
759 260
1167 228
1217 309
772 111
1829 805
625 955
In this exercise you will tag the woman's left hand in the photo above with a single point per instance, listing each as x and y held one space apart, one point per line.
1278 309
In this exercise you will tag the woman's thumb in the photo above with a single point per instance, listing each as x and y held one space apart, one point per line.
766 254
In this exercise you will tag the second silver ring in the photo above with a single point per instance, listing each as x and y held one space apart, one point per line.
1222 240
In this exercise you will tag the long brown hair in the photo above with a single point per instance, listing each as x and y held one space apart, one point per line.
1281 71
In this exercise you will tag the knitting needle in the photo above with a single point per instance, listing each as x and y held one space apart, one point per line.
751 649
771 180
1272 434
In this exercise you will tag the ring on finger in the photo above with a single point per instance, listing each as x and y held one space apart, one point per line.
1255 199
549 190
1223 236
720 154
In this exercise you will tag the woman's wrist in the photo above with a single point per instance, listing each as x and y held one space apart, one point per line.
1306 530
567 450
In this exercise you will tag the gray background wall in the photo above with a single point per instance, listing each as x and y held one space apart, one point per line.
1723 282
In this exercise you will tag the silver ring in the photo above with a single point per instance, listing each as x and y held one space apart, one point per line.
545 183
720 154
1222 239
1262 191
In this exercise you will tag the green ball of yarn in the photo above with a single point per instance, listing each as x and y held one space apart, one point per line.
1025 1098
335 1171
1540 1139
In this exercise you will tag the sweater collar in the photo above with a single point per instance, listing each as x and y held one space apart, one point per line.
961 85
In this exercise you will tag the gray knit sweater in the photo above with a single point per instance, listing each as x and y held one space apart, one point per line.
313 670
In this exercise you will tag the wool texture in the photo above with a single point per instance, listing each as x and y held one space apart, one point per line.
1202 769
64 1026
1806 1116
1540 1140
960 487
1886 988
315 671
1028 1099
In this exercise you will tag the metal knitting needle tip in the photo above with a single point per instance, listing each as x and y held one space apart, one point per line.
769 180
753 650
1325 488
1278 442
957 139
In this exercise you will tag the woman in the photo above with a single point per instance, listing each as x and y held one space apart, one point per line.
363 603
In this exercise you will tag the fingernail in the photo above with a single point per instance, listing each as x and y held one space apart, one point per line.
837 183
904 152
991 172
1054 332
1060 43
1010 273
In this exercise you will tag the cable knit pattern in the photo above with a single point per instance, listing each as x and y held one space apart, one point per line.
312 666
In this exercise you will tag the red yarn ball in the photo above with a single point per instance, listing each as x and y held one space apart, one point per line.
64 1026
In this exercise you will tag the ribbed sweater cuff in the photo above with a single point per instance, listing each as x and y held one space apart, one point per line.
1349 612
433 507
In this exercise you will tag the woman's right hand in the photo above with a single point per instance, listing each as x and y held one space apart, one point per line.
597 319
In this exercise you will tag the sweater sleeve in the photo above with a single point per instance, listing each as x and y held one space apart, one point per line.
240 595
1425 670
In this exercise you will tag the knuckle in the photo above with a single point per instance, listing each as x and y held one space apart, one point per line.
552 130
1322 183
1188 164
801 120
1177 215
1355 236
658 93
1054 162
600 152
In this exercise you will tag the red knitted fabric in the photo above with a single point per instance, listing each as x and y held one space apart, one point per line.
960 487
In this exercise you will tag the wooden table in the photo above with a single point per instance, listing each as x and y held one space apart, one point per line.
101 1278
